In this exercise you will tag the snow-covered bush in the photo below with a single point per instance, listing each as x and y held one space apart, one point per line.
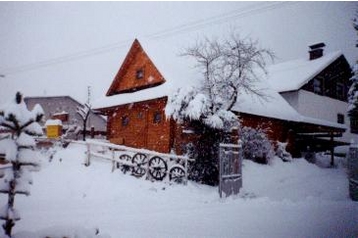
282 153
20 153
256 146
204 168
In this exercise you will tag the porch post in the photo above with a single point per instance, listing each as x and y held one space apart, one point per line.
332 149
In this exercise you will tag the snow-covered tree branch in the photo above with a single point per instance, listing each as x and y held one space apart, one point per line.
19 152
353 90
84 113
228 67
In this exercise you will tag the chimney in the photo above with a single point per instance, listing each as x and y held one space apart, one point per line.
316 50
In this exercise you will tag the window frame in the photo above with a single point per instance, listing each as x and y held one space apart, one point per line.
125 120
139 73
340 118
157 117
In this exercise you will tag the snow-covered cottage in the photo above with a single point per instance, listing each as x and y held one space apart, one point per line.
64 108
135 105
306 102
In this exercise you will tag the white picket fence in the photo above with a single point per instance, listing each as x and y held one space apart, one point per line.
149 164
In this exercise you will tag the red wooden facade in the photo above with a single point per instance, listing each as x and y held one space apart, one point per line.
141 124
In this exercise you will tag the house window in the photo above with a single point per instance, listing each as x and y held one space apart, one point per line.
139 74
340 91
157 118
340 118
125 120
140 115
317 86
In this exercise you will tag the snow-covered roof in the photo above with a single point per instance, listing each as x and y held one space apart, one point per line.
177 70
271 105
132 97
180 71
292 75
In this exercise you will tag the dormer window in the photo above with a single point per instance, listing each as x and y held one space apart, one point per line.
139 74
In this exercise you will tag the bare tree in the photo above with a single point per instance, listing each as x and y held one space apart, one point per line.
84 112
228 67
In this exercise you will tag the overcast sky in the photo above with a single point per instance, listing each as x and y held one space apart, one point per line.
60 48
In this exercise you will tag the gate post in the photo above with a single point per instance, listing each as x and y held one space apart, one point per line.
230 169
353 171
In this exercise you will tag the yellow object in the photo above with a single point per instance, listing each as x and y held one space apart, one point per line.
53 131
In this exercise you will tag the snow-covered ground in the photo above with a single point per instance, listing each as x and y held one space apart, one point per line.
294 199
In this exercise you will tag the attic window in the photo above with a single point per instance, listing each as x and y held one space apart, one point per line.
157 118
317 86
139 74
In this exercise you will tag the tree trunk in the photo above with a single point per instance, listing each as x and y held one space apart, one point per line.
10 223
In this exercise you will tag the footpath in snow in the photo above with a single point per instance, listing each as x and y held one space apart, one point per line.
294 199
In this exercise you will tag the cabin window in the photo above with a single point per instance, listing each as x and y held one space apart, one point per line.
340 91
157 118
125 120
317 86
140 115
340 118
139 74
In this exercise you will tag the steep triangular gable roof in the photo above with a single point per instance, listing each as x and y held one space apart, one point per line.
292 75
136 60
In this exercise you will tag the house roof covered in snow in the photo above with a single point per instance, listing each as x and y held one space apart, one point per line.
177 71
273 105
292 75
181 72
160 91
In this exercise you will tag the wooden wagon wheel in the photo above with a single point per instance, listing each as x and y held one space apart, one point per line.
139 160
176 174
157 168
125 167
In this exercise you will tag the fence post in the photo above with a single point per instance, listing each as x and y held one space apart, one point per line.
186 172
88 162
353 171
113 161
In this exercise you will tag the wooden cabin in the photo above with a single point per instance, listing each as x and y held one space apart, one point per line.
137 97
138 119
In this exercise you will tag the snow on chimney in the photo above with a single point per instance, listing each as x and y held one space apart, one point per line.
316 50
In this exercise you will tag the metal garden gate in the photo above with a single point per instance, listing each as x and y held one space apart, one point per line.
230 169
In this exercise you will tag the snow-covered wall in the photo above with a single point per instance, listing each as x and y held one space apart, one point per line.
316 106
